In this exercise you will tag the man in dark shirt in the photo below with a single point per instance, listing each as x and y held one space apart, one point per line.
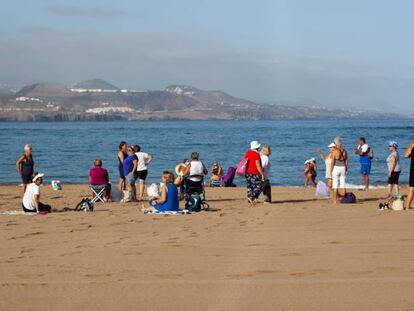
99 178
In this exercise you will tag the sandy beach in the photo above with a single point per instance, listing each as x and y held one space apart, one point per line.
299 253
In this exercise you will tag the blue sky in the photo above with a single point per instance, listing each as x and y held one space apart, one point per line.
333 53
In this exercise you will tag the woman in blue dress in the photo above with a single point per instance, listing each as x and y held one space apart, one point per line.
168 200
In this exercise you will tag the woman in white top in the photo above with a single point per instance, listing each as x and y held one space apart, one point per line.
328 160
144 159
394 168
339 169
195 170
267 188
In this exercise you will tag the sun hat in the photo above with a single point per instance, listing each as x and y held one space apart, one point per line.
393 143
254 145
179 169
306 162
332 145
38 176
27 147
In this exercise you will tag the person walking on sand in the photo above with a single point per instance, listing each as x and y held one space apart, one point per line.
31 199
25 166
144 159
409 153
122 154
394 168
310 172
327 159
363 150
267 188
339 169
254 173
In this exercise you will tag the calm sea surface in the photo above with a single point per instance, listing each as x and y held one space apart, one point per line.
66 151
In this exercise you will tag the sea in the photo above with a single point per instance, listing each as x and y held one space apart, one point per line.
65 151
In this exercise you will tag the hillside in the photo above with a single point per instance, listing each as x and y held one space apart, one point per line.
98 100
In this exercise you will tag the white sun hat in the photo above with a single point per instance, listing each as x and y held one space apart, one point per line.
331 145
254 145
179 169
38 176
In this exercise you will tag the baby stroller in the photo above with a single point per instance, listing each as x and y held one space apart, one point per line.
194 194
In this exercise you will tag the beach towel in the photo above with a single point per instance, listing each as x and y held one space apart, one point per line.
11 212
322 190
180 212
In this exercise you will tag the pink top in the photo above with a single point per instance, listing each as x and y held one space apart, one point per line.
98 176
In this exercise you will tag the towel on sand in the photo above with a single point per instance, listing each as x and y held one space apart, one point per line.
181 212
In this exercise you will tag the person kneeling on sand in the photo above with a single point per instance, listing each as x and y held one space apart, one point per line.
168 200
31 199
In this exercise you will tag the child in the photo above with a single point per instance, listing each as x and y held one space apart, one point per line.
168 201
310 172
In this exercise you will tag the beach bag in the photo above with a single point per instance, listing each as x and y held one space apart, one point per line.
322 190
242 168
371 153
348 198
85 205
398 203
56 185
153 190
194 203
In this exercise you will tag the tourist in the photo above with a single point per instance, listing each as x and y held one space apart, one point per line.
327 159
25 166
99 178
216 175
168 200
122 154
394 168
339 169
254 173
144 159
195 171
409 153
130 165
267 188
31 198
310 172
363 150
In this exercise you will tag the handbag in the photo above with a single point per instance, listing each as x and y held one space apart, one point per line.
242 168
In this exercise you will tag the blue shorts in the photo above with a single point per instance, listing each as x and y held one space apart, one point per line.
130 179
365 168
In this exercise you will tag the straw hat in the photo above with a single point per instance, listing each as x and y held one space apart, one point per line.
179 169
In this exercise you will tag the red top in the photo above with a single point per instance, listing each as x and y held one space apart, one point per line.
252 156
98 176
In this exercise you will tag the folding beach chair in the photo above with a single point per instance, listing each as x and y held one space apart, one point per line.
98 193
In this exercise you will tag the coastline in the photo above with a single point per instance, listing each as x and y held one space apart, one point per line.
297 253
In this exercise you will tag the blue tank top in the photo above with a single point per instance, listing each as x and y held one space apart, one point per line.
172 200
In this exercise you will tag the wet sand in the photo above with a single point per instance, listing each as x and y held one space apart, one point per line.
299 253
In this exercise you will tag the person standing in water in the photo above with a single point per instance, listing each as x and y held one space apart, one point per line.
25 166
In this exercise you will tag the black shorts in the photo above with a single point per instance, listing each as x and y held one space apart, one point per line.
42 208
142 175
27 178
393 180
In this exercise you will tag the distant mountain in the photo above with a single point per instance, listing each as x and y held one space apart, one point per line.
95 84
49 101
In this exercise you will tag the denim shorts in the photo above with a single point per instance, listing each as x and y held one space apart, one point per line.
130 179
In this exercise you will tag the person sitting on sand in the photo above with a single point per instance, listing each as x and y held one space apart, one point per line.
25 166
409 153
339 169
180 170
168 201
216 175
99 178
327 159
310 172
31 198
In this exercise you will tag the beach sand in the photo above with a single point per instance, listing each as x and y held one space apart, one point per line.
299 253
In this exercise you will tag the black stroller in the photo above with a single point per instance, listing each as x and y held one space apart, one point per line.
195 194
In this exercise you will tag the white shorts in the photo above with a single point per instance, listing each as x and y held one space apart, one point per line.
338 177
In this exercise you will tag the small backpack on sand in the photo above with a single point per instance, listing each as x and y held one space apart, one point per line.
348 198
85 205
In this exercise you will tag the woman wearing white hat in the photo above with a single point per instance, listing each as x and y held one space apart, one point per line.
254 173
327 159
31 199
394 168
310 172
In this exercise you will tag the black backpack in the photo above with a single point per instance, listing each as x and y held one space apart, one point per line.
85 205
194 203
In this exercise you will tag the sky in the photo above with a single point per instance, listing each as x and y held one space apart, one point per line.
347 54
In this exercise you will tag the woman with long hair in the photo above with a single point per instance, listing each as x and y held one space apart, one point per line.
339 169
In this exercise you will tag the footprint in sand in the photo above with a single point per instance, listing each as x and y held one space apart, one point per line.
239 276
168 276
293 254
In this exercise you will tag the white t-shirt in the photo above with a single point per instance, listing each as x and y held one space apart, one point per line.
265 165
142 161
364 148
197 168
29 196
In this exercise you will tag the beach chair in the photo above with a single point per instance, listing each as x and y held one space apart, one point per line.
98 192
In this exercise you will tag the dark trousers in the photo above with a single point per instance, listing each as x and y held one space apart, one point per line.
267 191
42 208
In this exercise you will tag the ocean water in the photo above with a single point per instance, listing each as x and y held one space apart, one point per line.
65 151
